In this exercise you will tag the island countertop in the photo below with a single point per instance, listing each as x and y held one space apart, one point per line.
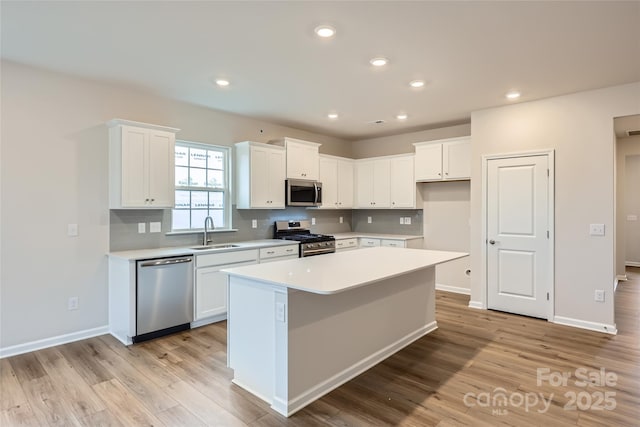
338 272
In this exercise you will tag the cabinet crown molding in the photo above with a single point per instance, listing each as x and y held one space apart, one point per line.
440 141
120 122
284 140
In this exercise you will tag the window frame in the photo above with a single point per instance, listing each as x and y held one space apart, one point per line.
226 189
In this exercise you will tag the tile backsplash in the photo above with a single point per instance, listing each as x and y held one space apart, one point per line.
123 230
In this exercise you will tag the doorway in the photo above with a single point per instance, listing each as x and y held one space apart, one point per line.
518 248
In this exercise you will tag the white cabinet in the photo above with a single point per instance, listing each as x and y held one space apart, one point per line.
260 176
368 242
373 183
141 165
279 253
303 158
336 176
346 244
442 160
403 184
211 283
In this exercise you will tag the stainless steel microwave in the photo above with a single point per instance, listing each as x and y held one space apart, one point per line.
299 192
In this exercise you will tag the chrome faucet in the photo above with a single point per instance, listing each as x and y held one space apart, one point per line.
208 221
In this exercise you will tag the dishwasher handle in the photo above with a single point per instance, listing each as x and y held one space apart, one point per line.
165 262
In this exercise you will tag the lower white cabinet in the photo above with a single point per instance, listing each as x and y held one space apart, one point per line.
369 242
211 283
346 244
278 253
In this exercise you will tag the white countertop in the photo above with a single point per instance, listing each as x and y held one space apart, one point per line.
139 254
354 234
338 272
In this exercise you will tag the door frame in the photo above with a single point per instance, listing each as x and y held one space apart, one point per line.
550 153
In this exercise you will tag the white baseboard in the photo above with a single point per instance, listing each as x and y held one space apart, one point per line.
289 408
583 324
53 341
632 264
476 304
454 289
208 320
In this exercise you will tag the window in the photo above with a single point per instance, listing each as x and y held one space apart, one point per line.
202 186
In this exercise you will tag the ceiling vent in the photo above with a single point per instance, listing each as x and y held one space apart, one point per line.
633 132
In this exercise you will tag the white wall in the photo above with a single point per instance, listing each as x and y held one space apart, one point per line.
54 172
579 127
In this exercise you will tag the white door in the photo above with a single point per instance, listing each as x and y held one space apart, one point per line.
456 159
260 179
345 184
276 176
403 184
382 183
161 169
364 184
329 180
519 271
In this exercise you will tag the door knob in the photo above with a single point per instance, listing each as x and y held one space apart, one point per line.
493 242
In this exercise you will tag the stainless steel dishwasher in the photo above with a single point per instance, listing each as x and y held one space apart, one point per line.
164 296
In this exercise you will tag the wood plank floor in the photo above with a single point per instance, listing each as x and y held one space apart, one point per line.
478 368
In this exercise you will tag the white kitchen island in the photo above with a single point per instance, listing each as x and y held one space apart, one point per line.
297 329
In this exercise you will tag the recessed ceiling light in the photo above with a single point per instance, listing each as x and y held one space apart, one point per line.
402 116
416 83
513 95
332 116
325 31
222 82
378 62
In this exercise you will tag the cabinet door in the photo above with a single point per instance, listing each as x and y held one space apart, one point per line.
366 242
329 180
456 160
382 183
344 184
403 184
260 179
392 243
211 292
364 184
275 177
161 160
134 167
302 161
428 162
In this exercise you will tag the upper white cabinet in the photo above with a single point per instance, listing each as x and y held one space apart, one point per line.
141 165
373 183
303 158
446 159
260 175
403 184
336 176
386 182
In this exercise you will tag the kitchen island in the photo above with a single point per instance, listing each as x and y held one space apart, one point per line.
297 329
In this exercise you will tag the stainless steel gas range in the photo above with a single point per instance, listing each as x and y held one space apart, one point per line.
299 231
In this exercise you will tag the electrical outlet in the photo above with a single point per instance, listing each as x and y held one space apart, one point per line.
142 227
281 312
599 295
313 221
401 220
596 229
72 230
155 227
369 220
72 303
407 220
254 223
341 220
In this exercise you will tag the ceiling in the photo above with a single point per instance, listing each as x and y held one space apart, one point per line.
470 54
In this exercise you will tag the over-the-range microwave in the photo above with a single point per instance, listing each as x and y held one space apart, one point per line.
300 192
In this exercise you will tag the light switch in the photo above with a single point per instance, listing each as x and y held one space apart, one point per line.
142 227
254 223
313 221
281 315
72 230
369 220
341 220
596 229
155 227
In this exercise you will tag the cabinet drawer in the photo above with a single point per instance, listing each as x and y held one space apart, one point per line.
346 243
392 243
366 242
226 258
278 251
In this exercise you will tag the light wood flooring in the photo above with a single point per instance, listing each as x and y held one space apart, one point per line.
182 380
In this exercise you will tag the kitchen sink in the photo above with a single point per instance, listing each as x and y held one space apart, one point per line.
220 246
